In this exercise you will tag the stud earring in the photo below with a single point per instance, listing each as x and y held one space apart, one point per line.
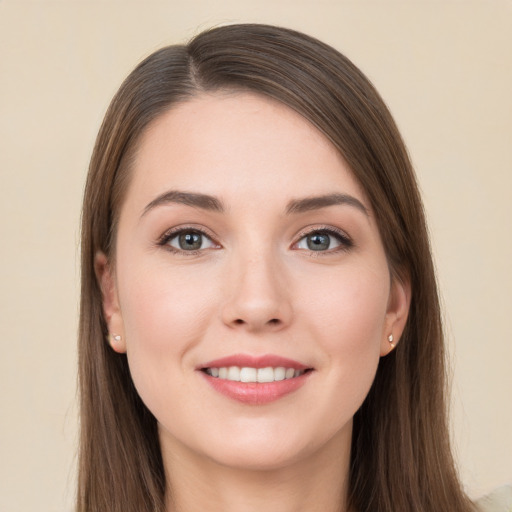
390 339
116 337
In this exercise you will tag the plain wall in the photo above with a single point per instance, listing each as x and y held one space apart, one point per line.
444 68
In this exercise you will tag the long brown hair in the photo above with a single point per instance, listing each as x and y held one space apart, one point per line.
401 458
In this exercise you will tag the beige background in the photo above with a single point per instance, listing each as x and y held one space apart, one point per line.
445 69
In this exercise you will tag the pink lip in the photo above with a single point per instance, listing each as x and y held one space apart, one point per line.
255 393
246 360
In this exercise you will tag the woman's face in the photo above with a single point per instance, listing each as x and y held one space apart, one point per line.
244 241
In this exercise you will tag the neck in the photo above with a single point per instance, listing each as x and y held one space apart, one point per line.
317 483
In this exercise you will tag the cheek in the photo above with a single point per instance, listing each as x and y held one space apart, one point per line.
166 313
161 305
347 316
350 304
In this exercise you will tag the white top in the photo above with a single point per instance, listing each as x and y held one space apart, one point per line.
500 500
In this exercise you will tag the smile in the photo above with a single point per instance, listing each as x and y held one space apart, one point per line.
249 374
255 380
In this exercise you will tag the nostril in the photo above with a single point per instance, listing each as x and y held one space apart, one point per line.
272 321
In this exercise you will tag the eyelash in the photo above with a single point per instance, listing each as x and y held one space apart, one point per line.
169 235
345 242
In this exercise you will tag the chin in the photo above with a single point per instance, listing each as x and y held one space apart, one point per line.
261 458
276 448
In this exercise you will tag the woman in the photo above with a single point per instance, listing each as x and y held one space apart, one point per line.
260 325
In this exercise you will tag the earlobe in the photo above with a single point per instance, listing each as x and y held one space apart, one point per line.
396 315
110 302
117 343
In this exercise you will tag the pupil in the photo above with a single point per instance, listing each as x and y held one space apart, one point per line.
318 242
190 241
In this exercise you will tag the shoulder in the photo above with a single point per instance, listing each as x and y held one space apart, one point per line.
500 500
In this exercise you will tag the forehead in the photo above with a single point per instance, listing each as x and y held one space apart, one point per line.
232 143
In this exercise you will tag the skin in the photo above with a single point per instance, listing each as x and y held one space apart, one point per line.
255 288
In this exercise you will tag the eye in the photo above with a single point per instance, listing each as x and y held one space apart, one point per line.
188 240
323 240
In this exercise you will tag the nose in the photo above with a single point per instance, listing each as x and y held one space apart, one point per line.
257 298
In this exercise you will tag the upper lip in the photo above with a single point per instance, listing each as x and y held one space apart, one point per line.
250 361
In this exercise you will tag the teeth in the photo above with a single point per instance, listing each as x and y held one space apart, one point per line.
247 374
234 373
266 374
279 373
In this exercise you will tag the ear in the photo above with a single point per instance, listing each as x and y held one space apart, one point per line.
396 314
111 309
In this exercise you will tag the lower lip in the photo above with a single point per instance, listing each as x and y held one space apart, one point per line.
256 393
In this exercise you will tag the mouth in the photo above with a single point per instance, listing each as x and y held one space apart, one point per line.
255 380
250 374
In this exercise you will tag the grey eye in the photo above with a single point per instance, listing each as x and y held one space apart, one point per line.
190 241
319 241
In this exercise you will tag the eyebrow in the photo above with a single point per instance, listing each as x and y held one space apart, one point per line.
196 200
212 203
316 202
